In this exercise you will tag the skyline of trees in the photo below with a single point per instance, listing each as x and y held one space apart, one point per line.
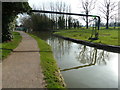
54 21
88 6
68 20
107 9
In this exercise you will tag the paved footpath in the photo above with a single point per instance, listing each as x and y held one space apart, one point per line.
22 68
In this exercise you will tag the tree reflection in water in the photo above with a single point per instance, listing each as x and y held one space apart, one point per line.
90 56
59 46
87 56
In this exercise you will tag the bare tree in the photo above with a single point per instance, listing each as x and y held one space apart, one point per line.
114 20
69 18
107 9
88 6
61 7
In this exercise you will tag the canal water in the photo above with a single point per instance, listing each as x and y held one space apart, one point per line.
83 66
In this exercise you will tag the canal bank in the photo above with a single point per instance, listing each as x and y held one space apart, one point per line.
83 66
99 67
50 68
110 48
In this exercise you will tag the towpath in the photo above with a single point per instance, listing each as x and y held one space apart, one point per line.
22 68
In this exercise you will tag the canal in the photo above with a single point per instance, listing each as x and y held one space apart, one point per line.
83 66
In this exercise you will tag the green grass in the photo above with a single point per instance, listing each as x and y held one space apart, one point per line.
7 47
108 37
49 65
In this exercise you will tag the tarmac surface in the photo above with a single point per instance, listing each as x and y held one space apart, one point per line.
22 68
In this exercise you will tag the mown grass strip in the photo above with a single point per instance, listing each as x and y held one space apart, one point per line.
51 71
108 37
7 47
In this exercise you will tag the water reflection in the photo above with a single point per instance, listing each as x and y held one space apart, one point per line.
86 56
92 55
59 46
89 57
85 67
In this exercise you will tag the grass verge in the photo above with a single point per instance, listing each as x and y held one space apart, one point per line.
51 72
7 47
108 37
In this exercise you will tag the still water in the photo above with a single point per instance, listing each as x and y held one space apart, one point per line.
83 66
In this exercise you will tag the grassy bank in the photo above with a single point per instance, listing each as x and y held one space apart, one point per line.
109 37
49 65
7 47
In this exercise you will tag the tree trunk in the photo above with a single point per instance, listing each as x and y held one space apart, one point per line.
86 20
107 23
107 17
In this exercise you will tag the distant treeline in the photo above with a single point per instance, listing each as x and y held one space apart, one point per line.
38 21
42 22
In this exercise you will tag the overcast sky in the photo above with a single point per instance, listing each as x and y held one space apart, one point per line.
75 5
